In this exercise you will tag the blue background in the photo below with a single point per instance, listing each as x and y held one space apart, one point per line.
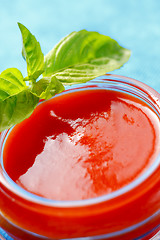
135 24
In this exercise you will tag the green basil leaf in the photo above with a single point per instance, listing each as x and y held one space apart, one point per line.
79 57
31 52
84 55
11 83
16 108
47 87
33 77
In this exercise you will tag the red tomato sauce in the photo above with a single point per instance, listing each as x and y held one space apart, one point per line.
82 145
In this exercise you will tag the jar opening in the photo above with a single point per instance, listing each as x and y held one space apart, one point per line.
119 84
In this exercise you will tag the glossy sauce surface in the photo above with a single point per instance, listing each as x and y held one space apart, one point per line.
82 145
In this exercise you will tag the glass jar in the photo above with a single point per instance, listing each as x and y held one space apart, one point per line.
132 212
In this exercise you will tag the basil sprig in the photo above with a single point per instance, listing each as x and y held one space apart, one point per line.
77 58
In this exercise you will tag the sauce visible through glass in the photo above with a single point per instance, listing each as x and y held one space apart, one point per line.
82 145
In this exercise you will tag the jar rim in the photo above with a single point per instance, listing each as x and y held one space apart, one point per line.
17 190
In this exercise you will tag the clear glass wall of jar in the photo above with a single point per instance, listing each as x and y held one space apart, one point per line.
132 212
